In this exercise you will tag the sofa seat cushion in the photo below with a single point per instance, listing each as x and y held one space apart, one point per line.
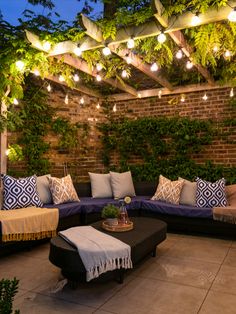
177 210
66 209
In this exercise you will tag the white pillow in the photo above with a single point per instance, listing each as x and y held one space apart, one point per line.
43 189
100 185
122 184
188 193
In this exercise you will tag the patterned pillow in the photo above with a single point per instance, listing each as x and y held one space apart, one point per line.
211 194
62 190
19 193
168 191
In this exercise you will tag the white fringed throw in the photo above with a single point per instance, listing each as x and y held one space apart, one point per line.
99 252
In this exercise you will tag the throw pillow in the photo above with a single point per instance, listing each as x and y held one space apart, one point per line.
122 184
168 191
19 193
43 189
188 193
100 185
211 194
62 190
231 194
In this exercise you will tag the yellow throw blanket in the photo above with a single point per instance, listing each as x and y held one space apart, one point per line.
226 214
29 223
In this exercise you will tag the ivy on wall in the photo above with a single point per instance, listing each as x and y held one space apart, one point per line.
161 146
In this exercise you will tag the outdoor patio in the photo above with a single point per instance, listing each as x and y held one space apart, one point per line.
189 275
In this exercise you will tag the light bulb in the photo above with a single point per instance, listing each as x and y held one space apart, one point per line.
179 54
15 101
46 45
161 38
189 65
49 88
154 67
20 65
232 15
227 54
182 99
106 51
215 48
114 108
81 100
98 78
195 20
231 94
66 100
7 152
99 67
124 73
76 77
159 93
204 97
78 51
130 43
61 78
129 60
98 106
139 95
36 72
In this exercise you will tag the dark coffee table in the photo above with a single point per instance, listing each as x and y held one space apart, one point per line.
143 239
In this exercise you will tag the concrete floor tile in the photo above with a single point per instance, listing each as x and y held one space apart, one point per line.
147 296
32 303
193 273
219 303
225 280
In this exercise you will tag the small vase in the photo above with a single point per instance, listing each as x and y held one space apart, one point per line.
112 221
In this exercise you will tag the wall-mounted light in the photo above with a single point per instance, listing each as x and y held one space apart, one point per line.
106 51
161 38
66 99
179 54
231 94
195 20
205 97
154 67
182 99
130 43
78 51
232 15
81 100
159 93
114 108
98 106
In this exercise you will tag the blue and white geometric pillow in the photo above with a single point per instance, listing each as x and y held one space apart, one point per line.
211 194
19 193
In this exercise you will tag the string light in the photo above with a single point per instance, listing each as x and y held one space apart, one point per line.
204 97
49 88
98 106
232 15
182 99
106 51
76 77
78 51
161 38
231 94
36 72
215 48
81 100
99 67
130 43
114 108
20 65
61 78
98 78
15 101
195 20
227 54
154 67
189 65
66 99
129 60
179 54
124 73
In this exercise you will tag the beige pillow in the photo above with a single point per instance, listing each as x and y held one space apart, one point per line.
168 191
100 185
188 193
43 189
231 194
62 190
122 184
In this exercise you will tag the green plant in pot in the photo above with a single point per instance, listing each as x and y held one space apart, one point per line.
111 213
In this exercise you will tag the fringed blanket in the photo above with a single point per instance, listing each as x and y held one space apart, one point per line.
31 223
99 252
226 214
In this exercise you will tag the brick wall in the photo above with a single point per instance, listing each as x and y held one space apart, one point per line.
79 162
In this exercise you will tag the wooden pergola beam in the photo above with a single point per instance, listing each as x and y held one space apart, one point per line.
179 39
94 32
165 92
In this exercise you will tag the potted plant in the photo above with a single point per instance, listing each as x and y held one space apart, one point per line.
111 213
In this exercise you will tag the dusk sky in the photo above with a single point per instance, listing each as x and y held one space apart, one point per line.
12 9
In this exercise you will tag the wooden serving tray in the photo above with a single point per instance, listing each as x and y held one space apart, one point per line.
118 228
